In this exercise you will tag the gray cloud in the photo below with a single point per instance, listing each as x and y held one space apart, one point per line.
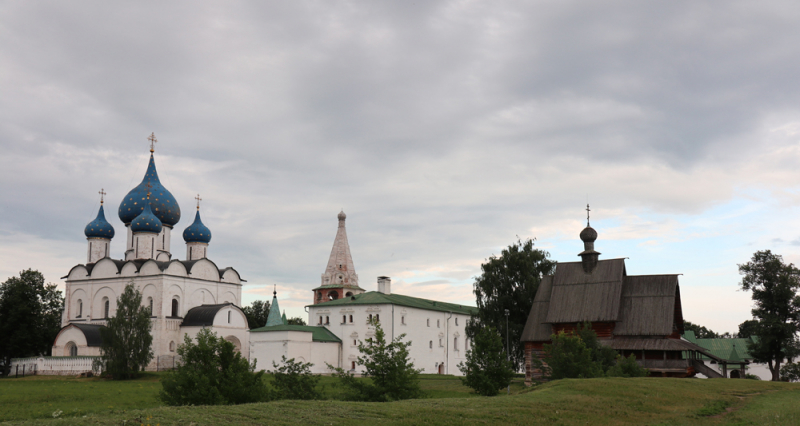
444 129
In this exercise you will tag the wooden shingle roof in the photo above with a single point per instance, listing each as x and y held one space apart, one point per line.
648 305
578 297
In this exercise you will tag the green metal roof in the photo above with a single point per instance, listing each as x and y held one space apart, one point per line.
734 350
377 298
318 334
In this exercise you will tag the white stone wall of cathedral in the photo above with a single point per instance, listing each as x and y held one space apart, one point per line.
98 248
438 338
144 245
106 284
196 250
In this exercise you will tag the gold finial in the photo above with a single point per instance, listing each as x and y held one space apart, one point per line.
148 186
153 140
587 215
198 201
102 194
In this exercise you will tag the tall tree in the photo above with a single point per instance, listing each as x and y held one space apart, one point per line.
30 317
127 342
257 314
774 286
509 282
747 329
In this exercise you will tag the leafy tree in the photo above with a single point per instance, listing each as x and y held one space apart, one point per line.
700 331
257 314
296 321
509 282
604 356
393 374
486 369
126 340
747 329
30 317
293 380
774 286
212 372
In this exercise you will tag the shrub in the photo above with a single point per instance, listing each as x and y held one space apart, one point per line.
487 368
293 380
790 372
387 364
212 372
627 367
568 357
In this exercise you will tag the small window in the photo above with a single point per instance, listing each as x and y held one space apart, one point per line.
150 305
344 319
172 346
327 320
403 320
455 343
80 308
370 317
429 322
456 320
175 311
377 317
73 350
352 365
229 317
438 323
355 343
106 308
440 343
320 320
430 344
351 318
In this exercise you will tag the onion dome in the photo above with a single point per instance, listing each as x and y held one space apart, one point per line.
197 232
588 235
146 221
99 227
163 204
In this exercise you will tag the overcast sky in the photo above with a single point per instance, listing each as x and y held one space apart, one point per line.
445 130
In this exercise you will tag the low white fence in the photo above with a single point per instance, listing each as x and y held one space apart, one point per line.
51 365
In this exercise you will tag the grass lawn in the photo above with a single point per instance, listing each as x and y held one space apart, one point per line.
613 401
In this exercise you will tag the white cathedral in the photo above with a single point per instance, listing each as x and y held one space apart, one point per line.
185 296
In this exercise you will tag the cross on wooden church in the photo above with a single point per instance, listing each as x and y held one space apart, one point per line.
198 201
102 194
153 140
587 214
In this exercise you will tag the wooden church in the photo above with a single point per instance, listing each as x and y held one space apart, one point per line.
634 314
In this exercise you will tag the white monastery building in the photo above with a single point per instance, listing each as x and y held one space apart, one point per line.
340 317
183 296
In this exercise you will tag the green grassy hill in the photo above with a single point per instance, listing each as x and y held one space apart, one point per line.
648 401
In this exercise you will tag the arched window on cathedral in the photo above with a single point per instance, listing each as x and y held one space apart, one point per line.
351 319
327 320
455 343
175 310
320 320
70 349
430 344
456 320
344 319
172 346
150 305
370 318
106 307
229 317
80 308
377 317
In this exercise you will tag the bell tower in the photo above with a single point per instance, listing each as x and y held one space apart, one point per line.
340 278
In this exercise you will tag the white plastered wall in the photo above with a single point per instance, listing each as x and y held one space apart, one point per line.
74 335
267 347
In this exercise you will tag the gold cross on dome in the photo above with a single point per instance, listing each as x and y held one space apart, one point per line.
102 194
153 140
198 201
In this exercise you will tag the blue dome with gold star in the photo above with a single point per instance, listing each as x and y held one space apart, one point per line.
197 232
163 204
146 221
99 227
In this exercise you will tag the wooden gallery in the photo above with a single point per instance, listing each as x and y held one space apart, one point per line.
633 314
